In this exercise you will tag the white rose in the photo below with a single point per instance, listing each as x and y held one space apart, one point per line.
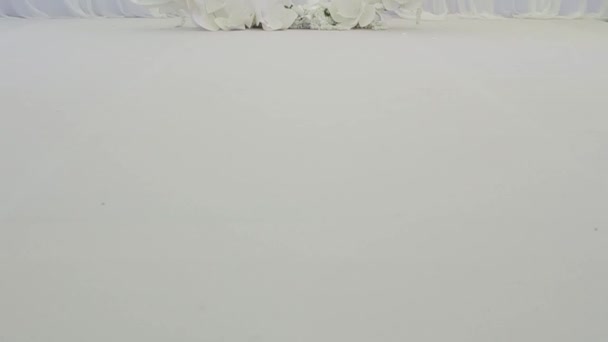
214 15
348 13
276 15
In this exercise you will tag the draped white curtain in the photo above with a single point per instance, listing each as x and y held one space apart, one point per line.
71 8
433 8
518 8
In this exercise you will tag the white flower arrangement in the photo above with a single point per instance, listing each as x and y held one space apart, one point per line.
271 15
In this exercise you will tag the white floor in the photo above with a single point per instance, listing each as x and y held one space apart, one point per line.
447 182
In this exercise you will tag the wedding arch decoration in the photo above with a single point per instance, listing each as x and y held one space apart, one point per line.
272 15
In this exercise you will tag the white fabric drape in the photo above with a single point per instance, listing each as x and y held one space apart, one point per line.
71 8
517 8
433 8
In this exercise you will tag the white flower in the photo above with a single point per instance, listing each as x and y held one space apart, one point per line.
348 13
214 15
277 17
